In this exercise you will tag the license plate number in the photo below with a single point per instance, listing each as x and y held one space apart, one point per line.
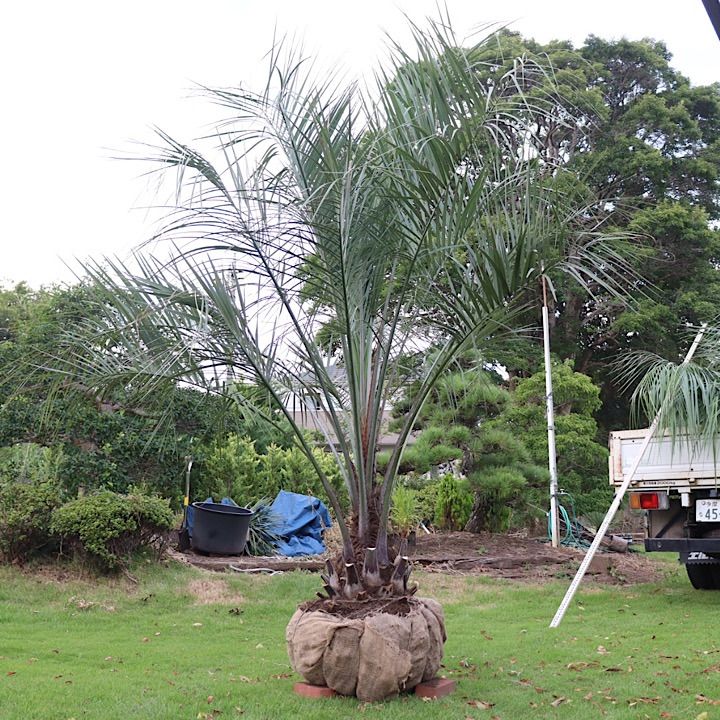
707 510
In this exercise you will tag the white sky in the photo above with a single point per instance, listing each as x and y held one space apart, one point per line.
81 79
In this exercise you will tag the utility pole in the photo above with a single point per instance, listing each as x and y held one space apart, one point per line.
550 410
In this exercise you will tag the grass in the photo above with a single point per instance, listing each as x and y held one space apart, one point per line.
186 644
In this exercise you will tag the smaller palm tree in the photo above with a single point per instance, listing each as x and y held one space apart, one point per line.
683 396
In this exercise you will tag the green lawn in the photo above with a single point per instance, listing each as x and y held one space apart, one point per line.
76 648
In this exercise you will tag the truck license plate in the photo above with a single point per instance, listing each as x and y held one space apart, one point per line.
707 510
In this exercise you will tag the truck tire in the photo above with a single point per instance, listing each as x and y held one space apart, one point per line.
704 576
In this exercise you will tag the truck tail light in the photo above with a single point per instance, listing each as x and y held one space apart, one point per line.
649 501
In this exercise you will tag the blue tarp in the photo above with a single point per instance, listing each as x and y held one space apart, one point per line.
301 521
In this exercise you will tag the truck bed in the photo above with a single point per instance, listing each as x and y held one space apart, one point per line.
667 463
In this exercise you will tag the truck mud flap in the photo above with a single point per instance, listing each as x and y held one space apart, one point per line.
708 546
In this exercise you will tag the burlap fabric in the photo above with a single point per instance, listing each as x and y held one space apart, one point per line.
373 658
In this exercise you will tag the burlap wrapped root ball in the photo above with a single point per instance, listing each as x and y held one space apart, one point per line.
374 657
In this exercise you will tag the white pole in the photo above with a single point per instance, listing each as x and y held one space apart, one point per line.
550 409
616 502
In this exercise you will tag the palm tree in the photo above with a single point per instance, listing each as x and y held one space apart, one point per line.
406 222
683 396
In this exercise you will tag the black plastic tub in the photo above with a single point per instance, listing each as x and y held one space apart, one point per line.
220 529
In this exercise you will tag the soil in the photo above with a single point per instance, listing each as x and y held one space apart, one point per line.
359 609
519 557
512 556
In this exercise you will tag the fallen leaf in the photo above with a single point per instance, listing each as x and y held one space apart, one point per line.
559 701
664 714
481 704
702 716
582 665
700 699
12 672
197 624
602 650
210 699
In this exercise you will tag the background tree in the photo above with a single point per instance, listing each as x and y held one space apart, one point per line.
638 140
101 440
498 439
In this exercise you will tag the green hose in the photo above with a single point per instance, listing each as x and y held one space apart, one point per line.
573 529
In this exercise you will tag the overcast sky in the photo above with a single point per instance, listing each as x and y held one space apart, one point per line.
81 80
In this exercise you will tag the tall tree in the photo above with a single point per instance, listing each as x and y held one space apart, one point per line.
639 139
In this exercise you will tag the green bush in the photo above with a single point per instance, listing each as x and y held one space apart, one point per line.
405 510
231 470
235 469
453 502
427 501
30 463
25 512
107 527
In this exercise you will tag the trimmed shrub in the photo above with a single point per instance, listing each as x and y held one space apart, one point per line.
25 512
107 527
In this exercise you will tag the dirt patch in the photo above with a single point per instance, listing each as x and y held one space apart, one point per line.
515 556
518 557
60 573
211 591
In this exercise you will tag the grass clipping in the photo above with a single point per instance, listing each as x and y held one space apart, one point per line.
374 657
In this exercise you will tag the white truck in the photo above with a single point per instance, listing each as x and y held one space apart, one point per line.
677 486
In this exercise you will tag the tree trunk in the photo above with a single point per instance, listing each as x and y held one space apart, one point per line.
476 523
